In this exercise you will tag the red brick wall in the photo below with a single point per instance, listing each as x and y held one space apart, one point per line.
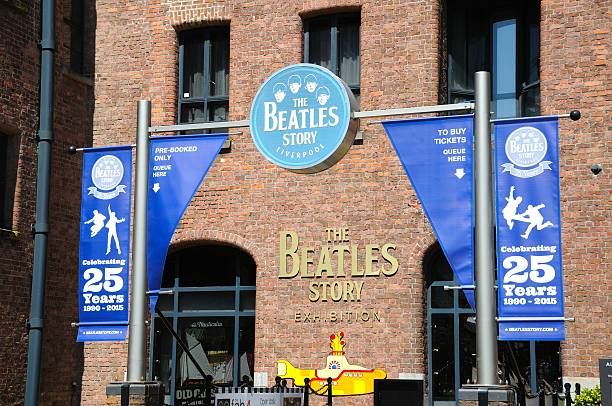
576 74
246 201
19 77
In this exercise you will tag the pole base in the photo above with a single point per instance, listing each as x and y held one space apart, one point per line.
135 394
487 395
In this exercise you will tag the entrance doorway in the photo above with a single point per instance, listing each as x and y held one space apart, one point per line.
208 296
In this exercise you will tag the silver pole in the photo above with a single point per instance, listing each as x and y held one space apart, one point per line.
486 328
138 301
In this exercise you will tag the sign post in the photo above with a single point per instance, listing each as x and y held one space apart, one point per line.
138 303
486 327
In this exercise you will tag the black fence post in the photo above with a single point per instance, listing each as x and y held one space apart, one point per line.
306 390
329 392
208 389
568 394
483 397
125 394
577 389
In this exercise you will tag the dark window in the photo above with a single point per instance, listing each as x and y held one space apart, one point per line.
502 38
212 309
76 23
203 75
333 42
9 151
451 333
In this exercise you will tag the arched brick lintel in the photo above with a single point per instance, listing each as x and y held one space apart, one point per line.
190 237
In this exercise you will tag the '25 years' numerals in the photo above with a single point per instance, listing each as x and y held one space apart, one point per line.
537 270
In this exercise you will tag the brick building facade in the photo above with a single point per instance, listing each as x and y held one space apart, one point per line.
245 202
62 362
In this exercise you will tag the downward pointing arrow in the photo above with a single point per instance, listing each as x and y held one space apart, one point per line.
155 187
460 173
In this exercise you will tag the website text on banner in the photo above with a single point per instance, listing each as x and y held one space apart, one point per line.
177 167
105 244
529 229
437 156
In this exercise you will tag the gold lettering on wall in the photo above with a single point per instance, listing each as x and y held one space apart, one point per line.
335 267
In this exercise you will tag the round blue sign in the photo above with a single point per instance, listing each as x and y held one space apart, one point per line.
301 118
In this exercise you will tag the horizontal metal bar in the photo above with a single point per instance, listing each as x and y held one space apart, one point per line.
159 292
232 288
535 319
357 114
449 310
227 145
566 115
195 135
467 287
104 146
207 313
100 323
413 110
199 126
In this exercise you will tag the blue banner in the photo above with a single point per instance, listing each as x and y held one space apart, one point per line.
177 167
437 156
105 244
530 291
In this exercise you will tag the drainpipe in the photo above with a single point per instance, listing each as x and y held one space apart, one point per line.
41 227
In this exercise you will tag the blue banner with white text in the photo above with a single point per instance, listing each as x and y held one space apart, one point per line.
437 156
177 166
105 244
530 282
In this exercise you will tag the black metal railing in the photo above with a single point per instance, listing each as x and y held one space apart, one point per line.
206 396
551 396
325 390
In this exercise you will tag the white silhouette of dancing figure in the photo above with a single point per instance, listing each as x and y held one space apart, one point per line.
98 222
111 224
535 219
510 211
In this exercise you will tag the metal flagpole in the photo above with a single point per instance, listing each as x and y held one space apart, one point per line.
138 301
486 327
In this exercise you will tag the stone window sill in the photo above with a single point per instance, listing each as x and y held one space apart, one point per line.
15 5
76 76
9 233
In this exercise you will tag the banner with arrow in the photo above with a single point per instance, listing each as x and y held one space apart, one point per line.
177 167
437 156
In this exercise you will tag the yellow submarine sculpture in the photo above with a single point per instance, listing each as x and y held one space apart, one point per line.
347 379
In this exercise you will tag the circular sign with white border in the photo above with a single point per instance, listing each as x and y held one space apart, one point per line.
526 146
107 172
301 118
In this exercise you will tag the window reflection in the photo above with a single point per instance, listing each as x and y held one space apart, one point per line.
210 342
502 38
204 76
333 42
